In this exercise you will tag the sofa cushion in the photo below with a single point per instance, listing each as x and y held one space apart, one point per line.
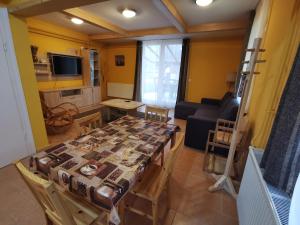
226 98
227 95
204 107
207 114
229 111
185 109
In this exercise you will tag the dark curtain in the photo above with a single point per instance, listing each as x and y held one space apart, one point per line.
240 80
281 159
138 72
183 70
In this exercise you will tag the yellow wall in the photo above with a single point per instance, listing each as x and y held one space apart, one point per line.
52 38
281 41
29 83
120 74
209 64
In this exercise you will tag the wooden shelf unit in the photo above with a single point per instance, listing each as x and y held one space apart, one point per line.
91 67
42 69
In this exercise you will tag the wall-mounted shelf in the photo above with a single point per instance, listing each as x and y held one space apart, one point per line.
42 69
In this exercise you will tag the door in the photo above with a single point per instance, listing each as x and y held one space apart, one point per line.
16 140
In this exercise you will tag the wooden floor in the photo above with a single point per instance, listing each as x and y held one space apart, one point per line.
191 203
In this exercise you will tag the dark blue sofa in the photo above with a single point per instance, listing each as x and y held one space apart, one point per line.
202 117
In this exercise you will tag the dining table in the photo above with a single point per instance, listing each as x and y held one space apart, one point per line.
102 166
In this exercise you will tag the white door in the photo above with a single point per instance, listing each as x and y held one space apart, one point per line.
16 140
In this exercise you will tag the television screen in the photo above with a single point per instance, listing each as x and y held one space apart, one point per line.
64 65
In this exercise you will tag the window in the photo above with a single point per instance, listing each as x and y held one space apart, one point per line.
160 72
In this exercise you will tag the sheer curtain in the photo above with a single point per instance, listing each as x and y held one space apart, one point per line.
160 72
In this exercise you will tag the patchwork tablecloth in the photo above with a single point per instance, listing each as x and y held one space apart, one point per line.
104 164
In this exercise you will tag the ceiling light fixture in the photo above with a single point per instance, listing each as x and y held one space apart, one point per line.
128 13
203 3
77 21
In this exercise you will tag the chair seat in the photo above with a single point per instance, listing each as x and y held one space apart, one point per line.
148 186
82 213
223 137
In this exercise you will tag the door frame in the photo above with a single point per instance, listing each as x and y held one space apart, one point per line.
14 76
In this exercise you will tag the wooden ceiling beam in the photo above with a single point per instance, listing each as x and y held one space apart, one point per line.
94 20
136 33
172 14
28 8
208 27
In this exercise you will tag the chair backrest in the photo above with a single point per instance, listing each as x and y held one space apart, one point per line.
223 131
169 164
156 113
48 197
91 121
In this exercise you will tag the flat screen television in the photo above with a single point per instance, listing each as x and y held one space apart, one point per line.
65 65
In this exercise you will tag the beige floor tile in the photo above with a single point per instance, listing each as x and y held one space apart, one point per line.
218 219
229 206
18 205
181 219
195 203
170 217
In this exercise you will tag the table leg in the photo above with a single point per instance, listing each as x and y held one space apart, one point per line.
173 140
122 211
48 220
132 112
108 114
108 219
162 157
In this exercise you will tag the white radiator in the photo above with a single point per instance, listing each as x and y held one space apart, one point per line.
255 205
120 90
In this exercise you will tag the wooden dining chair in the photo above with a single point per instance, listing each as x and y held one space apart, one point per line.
156 113
89 122
221 138
59 208
154 182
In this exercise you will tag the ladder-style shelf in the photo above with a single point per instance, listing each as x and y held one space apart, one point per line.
224 181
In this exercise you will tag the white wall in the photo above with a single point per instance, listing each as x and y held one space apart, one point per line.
16 139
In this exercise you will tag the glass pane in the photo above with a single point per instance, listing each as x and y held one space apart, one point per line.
160 72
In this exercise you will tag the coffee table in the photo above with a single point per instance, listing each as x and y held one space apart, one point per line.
129 106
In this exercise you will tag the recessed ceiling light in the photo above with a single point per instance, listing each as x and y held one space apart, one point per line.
128 13
203 3
77 21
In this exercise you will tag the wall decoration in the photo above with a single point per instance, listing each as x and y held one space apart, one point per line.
34 50
120 60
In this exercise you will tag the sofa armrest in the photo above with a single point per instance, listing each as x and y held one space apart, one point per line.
197 131
185 109
210 101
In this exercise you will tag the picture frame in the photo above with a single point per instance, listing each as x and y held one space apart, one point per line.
119 60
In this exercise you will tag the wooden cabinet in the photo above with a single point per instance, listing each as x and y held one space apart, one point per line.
82 97
51 98
91 67
87 96
97 94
